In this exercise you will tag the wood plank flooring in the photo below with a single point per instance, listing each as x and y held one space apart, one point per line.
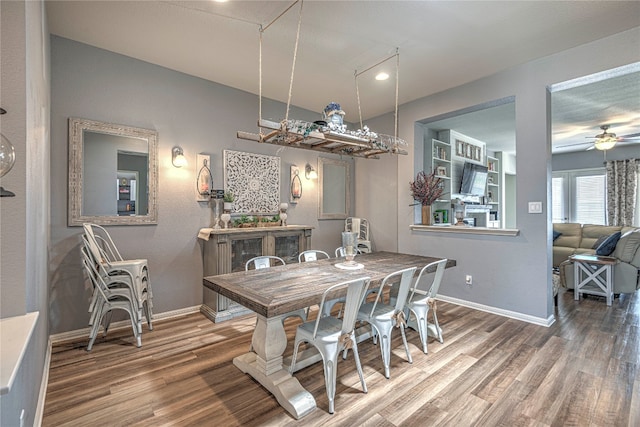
582 371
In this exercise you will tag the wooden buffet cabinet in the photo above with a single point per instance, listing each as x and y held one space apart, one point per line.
228 249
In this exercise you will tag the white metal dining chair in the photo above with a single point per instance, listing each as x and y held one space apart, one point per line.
106 300
106 253
312 255
383 316
264 261
268 261
332 335
420 302
116 281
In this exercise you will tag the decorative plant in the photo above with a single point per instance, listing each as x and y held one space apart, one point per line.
427 188
228 197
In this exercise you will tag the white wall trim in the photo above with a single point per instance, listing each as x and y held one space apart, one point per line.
37 421
500 312
84 332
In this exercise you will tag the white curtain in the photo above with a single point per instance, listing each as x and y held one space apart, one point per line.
622 182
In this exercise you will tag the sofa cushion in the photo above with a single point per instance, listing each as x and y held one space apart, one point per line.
591 233
609 245
571 234
627 246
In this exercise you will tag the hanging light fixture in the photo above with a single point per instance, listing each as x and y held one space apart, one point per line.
318 136
605 140
7 159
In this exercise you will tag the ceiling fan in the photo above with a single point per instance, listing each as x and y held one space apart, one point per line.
606 140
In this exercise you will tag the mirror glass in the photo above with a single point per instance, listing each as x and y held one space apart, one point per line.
112 174
334 183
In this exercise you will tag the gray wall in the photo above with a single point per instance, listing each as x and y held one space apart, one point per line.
24 219
593 158
509 273
197 115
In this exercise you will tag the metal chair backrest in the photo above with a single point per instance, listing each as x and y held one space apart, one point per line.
264 261
432 291
103 240
403 290
356 289
341 252
312 255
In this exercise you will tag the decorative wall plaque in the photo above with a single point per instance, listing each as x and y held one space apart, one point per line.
254 180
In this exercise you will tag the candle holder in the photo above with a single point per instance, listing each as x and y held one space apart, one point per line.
283 213
216 213
225 217
349 243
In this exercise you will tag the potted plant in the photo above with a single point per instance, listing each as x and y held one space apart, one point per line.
228 199
426 189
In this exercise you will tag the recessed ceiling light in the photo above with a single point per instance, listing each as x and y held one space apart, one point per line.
382 76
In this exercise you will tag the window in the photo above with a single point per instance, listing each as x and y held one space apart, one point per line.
579 196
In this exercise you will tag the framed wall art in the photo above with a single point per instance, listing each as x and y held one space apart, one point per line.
254 180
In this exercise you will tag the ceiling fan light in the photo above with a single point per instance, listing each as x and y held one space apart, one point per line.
605 143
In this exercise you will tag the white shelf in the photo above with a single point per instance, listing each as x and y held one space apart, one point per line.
15 334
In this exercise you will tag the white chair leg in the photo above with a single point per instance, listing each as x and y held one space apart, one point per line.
385 345
330 379
354 346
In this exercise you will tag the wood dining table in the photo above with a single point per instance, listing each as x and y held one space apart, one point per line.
274 293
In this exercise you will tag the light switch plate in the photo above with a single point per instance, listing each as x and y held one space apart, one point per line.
535 207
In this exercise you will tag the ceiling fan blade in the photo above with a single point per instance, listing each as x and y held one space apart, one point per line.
593 147
574 144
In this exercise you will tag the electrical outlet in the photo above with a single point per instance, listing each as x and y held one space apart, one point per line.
469 280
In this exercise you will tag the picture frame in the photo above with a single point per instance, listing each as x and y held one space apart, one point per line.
477 153
459 148
468 150
441 171
438 217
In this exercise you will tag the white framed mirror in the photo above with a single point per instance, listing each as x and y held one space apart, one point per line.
113 174
334 183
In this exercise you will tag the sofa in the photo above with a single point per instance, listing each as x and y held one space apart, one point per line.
584 239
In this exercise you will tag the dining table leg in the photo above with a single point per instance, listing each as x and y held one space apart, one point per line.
265 365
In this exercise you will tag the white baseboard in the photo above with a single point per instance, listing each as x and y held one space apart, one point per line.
37 422
500 312
84 332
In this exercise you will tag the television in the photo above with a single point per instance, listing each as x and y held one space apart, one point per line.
474 179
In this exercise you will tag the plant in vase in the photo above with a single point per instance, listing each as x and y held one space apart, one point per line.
228 199
426 189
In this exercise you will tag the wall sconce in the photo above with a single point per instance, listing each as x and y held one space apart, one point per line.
310 172
178 158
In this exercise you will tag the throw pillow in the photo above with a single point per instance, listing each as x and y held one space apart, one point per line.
609 245
599 242
556 234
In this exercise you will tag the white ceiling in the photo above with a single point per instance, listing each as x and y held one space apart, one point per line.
442 44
